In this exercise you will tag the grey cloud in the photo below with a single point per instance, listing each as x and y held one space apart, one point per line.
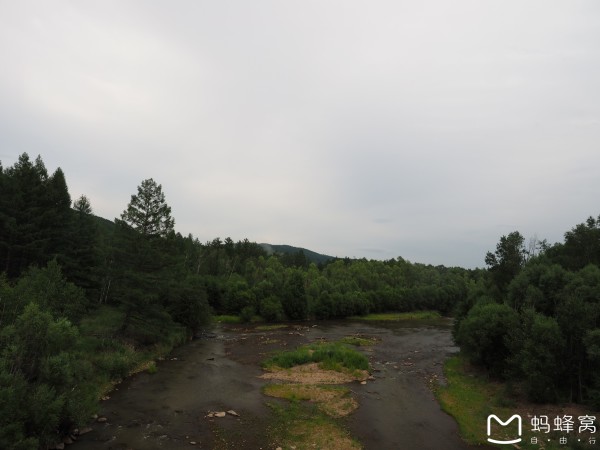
299 122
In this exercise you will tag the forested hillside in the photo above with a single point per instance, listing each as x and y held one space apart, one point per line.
85 301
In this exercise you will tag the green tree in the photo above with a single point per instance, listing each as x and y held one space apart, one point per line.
24 214
83 264
57 215
144 255
50 382
186 302
147 212
483 334
294 302
541 359
507 261
48 288
582 245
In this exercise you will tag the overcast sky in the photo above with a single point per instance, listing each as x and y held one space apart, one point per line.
377 129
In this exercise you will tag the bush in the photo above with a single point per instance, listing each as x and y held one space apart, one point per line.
483 333
271 309
247 313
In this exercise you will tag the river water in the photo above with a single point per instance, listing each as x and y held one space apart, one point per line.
220 372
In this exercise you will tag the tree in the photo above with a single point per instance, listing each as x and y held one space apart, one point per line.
507 261
542 358
50 290
582 245
44 384
294 302
82 255
483 333
24 216
147 212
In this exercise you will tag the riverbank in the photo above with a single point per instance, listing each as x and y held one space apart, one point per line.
376 317
470 397
396 317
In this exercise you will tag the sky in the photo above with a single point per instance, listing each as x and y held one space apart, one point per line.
422 129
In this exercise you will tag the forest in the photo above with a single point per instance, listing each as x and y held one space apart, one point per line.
85 301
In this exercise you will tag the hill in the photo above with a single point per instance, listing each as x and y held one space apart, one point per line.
311 256
106 227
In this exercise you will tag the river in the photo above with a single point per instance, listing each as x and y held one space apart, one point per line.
220 372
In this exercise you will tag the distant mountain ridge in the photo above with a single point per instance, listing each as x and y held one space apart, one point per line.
106 227
289 249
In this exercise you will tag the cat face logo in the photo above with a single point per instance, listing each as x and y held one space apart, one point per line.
503 424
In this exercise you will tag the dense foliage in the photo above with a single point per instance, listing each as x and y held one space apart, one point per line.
534 321
83 300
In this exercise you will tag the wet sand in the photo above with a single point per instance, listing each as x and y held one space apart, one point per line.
168 410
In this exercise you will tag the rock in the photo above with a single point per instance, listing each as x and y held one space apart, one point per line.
84 430
220 414
231 412
210 415
106 397
94 416
371 377
363 382
67 441
278 448
193 442
101 420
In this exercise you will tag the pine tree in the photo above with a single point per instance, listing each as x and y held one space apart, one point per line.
147 212
84 255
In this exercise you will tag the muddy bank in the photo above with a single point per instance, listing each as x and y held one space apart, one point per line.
168 410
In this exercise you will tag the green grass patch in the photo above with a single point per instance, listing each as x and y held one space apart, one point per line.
335 401
224 318
329 355
358 341
303 427
470 397
467 399
152 369
229 318
270 327
395 317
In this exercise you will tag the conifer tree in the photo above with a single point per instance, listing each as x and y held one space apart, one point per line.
147 212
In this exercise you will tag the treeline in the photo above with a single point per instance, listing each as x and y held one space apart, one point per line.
84 301
535 320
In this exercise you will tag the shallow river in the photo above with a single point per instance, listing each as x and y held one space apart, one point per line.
167 410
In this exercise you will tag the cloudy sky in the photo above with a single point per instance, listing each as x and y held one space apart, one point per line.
423 129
